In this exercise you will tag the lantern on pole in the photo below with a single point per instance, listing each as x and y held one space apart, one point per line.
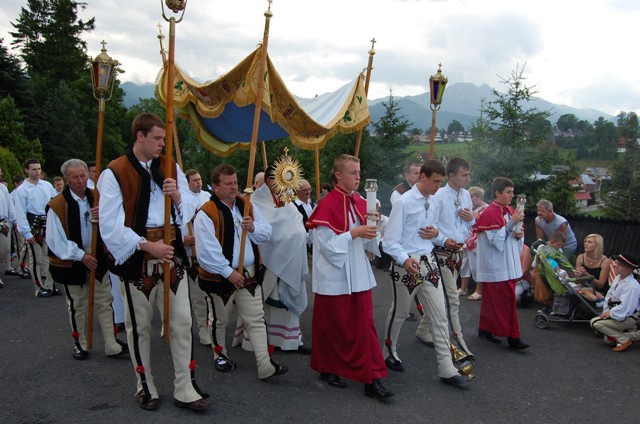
437 84
103 72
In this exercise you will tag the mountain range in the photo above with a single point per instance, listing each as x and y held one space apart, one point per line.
461 102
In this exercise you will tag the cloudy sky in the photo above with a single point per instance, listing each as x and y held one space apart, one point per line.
580 53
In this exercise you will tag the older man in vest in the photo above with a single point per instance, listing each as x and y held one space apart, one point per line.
69 232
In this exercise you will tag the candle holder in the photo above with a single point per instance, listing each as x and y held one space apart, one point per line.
371 188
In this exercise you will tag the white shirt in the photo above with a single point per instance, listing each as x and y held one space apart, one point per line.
340 263
31 198
627 292
209 250
7 210
449 222
499 254
122 241
57 240
408 215
189 209
308 208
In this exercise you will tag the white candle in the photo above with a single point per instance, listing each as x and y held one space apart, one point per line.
371 207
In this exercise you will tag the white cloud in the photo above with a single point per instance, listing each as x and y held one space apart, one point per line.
578 52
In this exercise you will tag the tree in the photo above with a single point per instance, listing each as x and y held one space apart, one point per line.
561 194
567 122
603 140
455 126
12 133
382 156
510 138
623 193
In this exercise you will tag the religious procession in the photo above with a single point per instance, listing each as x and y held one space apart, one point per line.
229 268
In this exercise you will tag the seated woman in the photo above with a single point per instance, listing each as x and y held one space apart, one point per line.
594 262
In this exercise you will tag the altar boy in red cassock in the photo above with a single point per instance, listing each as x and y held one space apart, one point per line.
498 268
345 340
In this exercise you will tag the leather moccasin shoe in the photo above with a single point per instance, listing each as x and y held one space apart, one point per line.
488 336
55 292
333 380
25 275
196 405
376 390
80 354
224 364
456 381
125 349
11 272
43 293
394 364
621 347
149 404
280 369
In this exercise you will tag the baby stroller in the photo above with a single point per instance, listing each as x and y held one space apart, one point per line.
568 305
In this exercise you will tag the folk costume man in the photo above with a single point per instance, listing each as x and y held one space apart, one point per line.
499 266
7 220
455 221
68 236
408 239
31 200
345 341
218 228
285 259
198 197
621 305
132 192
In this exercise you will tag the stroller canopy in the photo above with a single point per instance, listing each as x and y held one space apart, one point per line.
222 111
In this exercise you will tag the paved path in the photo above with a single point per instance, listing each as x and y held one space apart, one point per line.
566 376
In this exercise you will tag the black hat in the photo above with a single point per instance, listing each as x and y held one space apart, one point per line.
627 259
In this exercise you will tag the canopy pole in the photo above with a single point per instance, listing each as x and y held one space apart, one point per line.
176 140
317 160
265 162
254 135
372 52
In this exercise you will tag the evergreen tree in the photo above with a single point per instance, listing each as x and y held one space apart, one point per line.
12 133
510 138
623 192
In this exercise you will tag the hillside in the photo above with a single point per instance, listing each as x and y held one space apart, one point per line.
461 102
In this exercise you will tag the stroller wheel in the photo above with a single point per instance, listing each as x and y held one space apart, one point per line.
541 321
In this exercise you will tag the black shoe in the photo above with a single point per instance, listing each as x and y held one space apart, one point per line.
11 272
55 292
333 380
1 285
196 405
303 349
517 344
80 354
280 369
149 404
43 293
394 364
224 364
25 275
411 317
376 390
488 336
458 381
125 349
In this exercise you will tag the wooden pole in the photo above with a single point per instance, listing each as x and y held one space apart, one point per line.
94 224
176 140
254 135
265 162
366 91
432 144
318 177
170 125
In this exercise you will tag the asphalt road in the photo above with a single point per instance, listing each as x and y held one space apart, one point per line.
566 376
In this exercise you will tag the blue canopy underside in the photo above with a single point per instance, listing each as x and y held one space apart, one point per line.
229 128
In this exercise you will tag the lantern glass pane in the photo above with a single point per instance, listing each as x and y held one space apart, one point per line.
104 76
